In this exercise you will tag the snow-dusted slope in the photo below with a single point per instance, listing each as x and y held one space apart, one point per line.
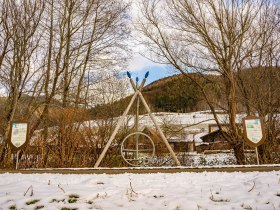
203 117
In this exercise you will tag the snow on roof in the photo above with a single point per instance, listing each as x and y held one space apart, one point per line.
188 138
197 137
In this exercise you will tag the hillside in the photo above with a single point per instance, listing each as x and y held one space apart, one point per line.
171 94
178 93
174 94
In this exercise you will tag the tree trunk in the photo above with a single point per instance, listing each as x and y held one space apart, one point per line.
239 153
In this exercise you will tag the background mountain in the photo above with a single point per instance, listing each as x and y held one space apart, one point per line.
175 93
179 93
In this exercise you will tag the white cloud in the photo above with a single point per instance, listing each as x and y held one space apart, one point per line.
139 63
3 91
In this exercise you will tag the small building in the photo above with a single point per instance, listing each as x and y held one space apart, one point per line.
178 144
213 141
215 136
182 144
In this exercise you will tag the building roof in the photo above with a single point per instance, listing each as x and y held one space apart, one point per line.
213 136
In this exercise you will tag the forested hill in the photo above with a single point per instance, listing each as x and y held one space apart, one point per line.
178 93
174 94
171 94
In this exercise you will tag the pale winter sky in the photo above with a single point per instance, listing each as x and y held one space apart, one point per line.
139 65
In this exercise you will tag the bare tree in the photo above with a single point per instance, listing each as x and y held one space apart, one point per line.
50 52
83 38
19 70
207 37
259 85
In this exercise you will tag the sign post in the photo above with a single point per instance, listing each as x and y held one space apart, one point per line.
18 136
254 132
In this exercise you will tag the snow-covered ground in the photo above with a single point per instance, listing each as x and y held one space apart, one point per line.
201 119
197 191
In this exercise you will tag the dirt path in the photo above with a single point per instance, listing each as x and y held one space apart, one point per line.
262 168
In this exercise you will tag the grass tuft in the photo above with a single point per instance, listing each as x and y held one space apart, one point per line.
39 207
73 196
72 200
32 202
212 198
218 199
13 207
246 207
57 200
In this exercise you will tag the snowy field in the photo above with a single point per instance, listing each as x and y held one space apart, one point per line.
183 119
190 191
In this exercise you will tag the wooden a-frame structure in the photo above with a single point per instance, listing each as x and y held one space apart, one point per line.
137 94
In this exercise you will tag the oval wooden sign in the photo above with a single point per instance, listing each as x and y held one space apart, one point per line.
254 130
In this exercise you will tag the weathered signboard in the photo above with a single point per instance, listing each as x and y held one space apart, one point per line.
19 134
254 131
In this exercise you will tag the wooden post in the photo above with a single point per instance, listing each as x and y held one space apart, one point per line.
120 121
159 129
137 95
17 160
257 154
137 126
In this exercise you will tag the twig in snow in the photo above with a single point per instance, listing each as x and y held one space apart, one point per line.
101 196
60 188
252 187
100 183
31 192
130 192
131 187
